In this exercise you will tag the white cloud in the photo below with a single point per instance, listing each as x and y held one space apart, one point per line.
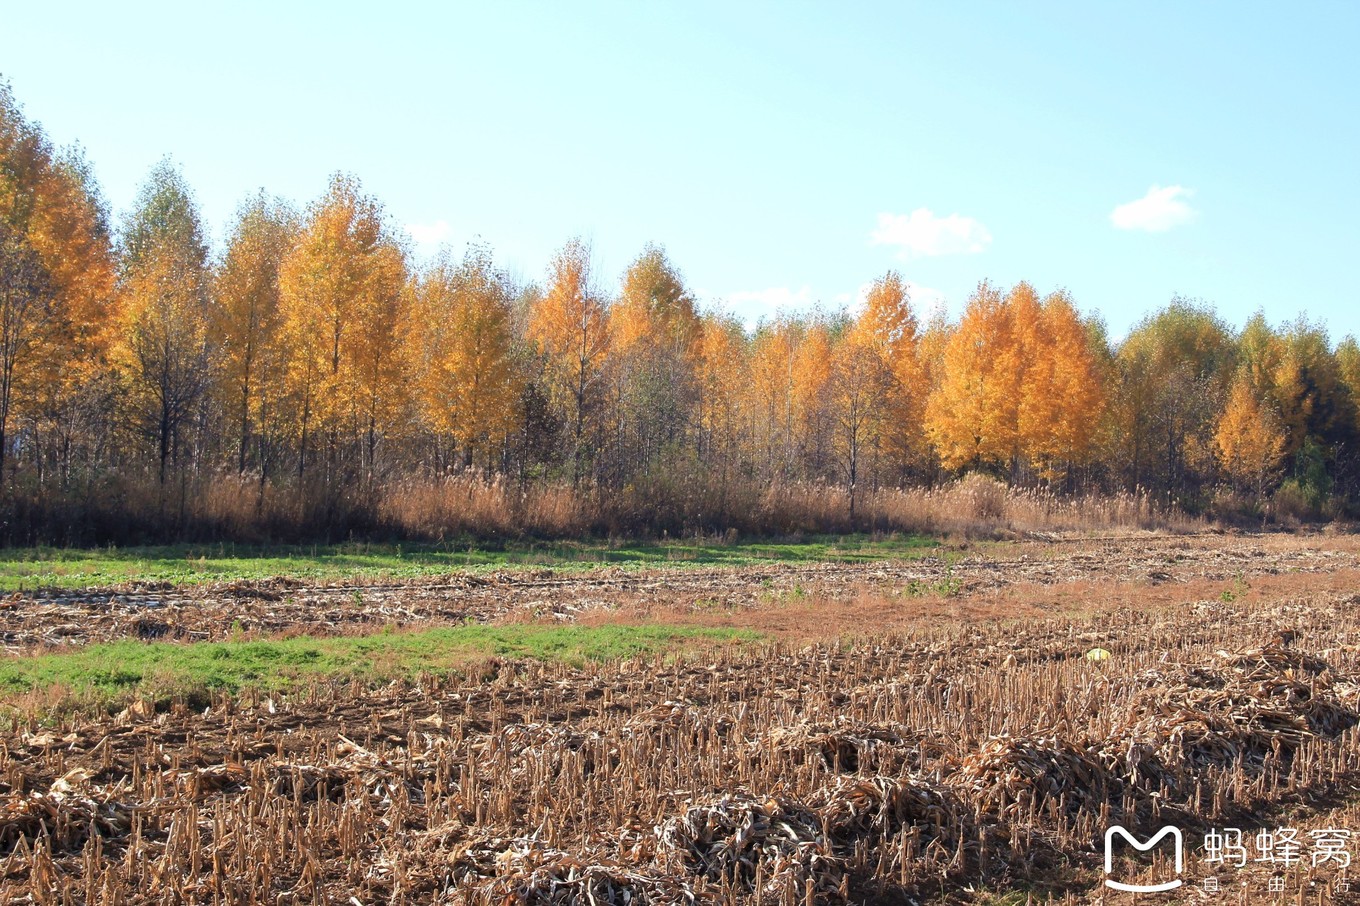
1156 212
921 234
430 234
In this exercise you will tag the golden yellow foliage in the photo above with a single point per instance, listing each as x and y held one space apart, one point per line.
859 391
654 311
26 310
888 327
811 374
770 396
341 294
1250 438
1348 372
1172 374
723 376
246 322
570 325
461 353
59 274
162 345
972 415
1296 371
1062 394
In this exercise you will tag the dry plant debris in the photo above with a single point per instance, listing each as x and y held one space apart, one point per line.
906 769
153 611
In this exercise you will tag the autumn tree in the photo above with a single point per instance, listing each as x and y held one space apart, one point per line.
570 325
461 348
972 417
1310 392
723 376
26 304
932 341
860 388
246 322
770 399
309 337
162 348
887 327
1258 353
1173 371
1297 374
343 308
1348 370
1062 395
1250 438
537 443
654 309
654 342
813 418
58 267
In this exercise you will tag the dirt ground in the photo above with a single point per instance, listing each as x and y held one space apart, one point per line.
930 731
1011 579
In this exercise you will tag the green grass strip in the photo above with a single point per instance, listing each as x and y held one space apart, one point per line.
33 568
120 669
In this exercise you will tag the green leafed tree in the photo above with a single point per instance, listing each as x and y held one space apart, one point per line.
163 349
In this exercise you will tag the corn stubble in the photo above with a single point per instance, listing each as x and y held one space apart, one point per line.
908 770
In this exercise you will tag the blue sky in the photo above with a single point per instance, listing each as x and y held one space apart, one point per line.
782 153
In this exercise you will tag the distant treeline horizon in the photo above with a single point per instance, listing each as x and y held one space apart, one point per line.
310 370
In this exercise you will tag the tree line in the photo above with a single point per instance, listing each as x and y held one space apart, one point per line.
311 358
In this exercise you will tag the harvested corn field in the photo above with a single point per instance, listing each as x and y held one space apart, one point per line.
955 756
959 572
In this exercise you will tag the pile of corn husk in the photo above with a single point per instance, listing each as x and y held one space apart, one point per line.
1244 708
880 807
494 870
771 848
64 818
1012 777
847 745
539 876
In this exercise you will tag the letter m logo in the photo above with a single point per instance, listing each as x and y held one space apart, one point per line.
1173 832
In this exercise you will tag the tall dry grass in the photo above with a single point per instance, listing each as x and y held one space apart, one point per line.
489 506
974 506
484 505
977 505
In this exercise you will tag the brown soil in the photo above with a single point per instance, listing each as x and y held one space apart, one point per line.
986 580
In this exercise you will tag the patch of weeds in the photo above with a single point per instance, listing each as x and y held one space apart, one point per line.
1236 591
950 586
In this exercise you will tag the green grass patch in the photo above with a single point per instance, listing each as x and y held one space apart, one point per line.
33 568
119 670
